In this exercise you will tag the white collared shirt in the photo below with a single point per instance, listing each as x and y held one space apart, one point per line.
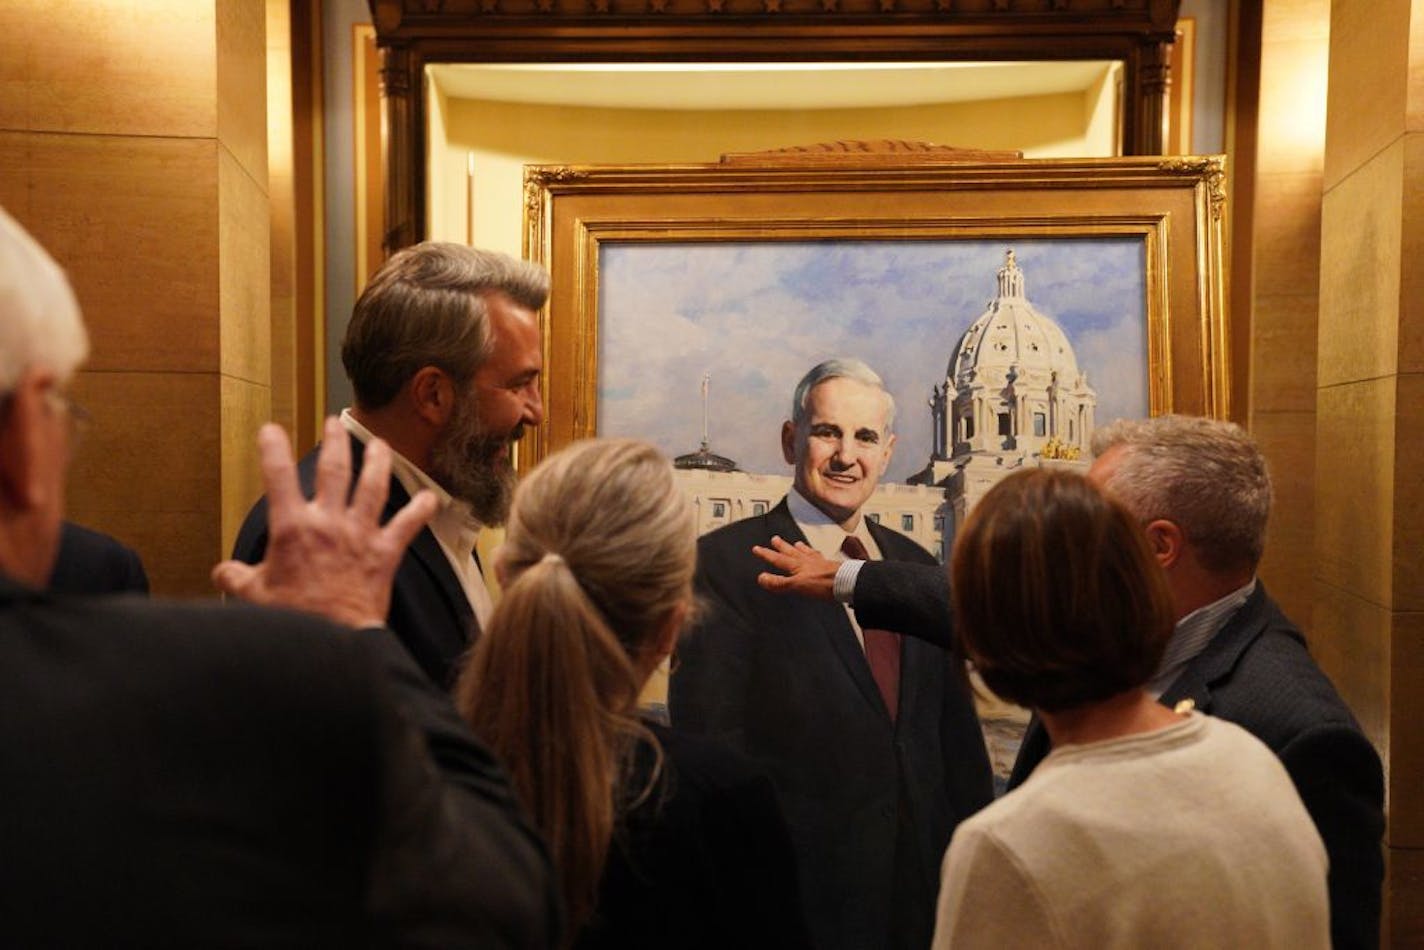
1191 635
454 527
825 535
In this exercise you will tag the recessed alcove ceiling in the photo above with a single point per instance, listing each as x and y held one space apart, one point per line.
722 86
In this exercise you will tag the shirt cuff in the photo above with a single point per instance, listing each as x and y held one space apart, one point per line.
843 588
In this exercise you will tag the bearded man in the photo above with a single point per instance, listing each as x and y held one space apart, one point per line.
443 353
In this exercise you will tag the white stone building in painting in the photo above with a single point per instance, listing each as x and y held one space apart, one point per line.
1012 396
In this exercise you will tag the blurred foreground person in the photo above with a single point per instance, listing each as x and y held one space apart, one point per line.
201 775
1144 827
661 839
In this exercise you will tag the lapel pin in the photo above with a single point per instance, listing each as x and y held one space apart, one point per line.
1184 706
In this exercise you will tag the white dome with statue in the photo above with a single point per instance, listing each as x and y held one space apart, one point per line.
1013 386
1012 334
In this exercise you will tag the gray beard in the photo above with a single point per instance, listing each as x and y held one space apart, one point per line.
471 469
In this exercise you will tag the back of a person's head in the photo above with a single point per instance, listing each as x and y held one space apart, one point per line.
1057 598
40 325
599 554
426 307
1207 476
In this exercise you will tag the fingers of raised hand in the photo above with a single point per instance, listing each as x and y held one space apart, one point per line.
401 530
279 471
234 578
333 466
375 483
776 583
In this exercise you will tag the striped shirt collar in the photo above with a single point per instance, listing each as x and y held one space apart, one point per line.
1193 632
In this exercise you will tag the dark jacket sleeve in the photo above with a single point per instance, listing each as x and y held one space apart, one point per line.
456 862
905 597
1338 776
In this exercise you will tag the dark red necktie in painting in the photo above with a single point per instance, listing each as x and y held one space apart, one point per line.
882 647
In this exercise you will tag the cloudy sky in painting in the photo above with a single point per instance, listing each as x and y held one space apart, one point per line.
757 316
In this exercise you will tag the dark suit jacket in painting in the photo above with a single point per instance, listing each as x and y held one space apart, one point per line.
871 802
209 776
1257 673
93 563
429 610
703 861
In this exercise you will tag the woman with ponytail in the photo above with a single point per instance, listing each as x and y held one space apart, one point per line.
660 839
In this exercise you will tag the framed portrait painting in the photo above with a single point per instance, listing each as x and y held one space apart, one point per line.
1010 305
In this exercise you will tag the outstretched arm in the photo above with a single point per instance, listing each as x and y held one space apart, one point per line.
903 596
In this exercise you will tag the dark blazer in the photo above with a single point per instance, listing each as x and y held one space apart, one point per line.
1257 673
429 611
183 776
703 861
871 803
93 563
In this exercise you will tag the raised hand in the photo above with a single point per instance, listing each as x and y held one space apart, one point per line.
327 556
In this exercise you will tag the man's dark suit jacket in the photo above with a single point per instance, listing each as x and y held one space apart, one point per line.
703 861
210 776
871 803
1257 673
429 610
93 563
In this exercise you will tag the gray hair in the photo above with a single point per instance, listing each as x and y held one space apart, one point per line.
1206 476
847 367
40 324
426 307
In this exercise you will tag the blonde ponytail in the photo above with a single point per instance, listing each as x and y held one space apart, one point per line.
599 553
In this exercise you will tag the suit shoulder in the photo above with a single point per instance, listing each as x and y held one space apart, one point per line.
1279 691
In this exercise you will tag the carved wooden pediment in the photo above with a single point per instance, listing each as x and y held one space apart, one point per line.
889 151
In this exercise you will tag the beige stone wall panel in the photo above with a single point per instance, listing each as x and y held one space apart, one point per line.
245 407
1411 303
1287 440
1354 514
111 67
1360 281
1408 583
148 470
1283 333
1287 233
134 222
1350 639
244 265
242 83
1369 49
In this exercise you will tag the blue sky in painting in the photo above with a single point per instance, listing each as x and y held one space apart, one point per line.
756 316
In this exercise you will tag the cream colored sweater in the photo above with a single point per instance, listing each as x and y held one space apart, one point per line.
1190 836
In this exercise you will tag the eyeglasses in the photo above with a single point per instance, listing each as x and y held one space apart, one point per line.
79 418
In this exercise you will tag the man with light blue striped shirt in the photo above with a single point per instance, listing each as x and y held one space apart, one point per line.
1202 492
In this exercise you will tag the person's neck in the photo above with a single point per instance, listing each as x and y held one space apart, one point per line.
402 431
1193 586
1126 714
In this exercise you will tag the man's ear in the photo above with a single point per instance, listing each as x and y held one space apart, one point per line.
1167 541
433 395
788 442
22 486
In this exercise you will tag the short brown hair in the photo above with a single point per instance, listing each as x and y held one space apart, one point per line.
426 307
1057 598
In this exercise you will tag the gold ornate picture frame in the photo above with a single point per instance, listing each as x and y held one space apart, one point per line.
575 215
